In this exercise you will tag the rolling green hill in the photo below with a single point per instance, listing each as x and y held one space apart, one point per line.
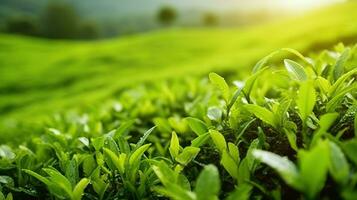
40 77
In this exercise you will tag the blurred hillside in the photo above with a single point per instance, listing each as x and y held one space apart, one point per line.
91 19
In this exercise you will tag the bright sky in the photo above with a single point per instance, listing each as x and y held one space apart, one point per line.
298 4
252 4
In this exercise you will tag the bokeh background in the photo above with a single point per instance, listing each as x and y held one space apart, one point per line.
57 55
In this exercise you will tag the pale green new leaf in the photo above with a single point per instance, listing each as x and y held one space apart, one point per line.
234 152
229 164
197 126
218 140
208 184
144 137
262 113
79 189
58 179
306 99
220 83
325 123
198 141
136 155
338 69
174 145
291 138
313 165
296 71
187 155
38 176
176 192
286 169
242 192
339 167
338 85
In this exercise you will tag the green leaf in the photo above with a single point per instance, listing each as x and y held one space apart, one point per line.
339 167
99 187
59 180
325 123
6 152
306 99
2 197
119 163
350 148
220 83
123 128
174 145
291 138
337 99
218 140
286 169
71 171
265 60
79 189
198 141
229 164
313 174
208 184
136 155
9 196
338 69
197 126
296 71
262 113
98 143
214 113
338 85
234 152
249 83
144 137
38 176
187 155
176 192
166 175
242 192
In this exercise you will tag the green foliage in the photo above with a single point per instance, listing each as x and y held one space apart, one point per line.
287 132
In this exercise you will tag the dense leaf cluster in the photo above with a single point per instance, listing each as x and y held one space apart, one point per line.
286 132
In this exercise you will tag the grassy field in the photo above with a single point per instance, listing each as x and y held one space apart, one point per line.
39 77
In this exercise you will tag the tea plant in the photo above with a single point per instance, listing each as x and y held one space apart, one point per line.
286 132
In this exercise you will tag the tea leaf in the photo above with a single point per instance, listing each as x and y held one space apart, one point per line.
208 184
339 167
136 155
296 71
174 145
79 189
313 174
187 155
218 140
262 113
306 100
286 169
220 83
338 69
197 126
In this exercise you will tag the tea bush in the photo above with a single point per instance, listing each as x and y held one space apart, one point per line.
286 132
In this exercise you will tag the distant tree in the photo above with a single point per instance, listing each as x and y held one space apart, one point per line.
22 25
166 15
88 30
60 20
210 19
